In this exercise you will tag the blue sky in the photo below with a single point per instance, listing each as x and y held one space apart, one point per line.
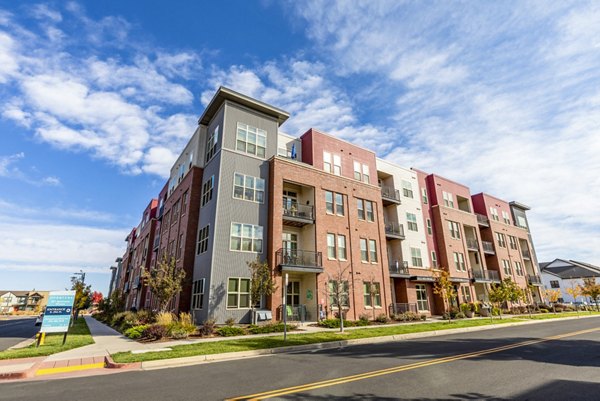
98 98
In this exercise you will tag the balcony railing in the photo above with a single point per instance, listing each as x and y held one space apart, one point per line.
473 245
399 268
488 247
526 254
394 230
485 275
298 215
299 313
299 259
483 220
534 279
398 308
390 195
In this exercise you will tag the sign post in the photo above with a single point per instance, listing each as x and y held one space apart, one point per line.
58 313
285 308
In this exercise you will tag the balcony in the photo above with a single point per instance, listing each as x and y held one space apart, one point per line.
488 247
526 254
482 220
485 276
394 230
534 279
390 196
297 215
473 245
299 260
398 308
399 269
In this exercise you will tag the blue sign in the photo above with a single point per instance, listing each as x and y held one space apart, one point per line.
58 312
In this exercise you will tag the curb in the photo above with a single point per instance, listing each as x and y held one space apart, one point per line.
200 359
23 374
110 364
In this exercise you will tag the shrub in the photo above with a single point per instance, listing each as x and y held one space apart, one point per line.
136 332
382 318
423 317
334 323
543 310
178 333
229 331
208 327
155 332
410 316
145 317
118 318
464 308
558 310
495 311
165 319
460 315
230 321
364 318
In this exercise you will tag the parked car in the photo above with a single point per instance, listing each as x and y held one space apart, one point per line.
39 319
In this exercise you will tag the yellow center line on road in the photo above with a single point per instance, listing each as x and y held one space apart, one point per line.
367 375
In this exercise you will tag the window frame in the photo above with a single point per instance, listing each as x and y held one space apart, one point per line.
255 187
242 237
207 190
258 133
198 294
238 292
211 144
202 241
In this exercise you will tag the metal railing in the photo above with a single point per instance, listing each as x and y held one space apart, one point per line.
399 267
393 228
534 279
296 257
473 244
488 247
299 211
483 220
390 193
397 308
488 275
299 313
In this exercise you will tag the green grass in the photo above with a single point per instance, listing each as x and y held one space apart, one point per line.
79 335
247 344
546 316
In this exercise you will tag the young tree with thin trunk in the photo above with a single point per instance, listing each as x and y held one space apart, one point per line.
591 289
444 288
165 281
575 291
552 296
83 295
337 291
261 283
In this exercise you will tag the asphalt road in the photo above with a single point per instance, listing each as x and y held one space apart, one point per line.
510 363
15 330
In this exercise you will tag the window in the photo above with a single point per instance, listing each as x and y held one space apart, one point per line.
494 213
521 222
373 250
454 229
211 145
207 190
554 284
251 140
331 246
179 246
175 212
448 199
198 294
459 262
327 162
246 238
364 254
336 288
365 210
372 294
429 229
518 268
369 210
341 247
202 245
184 203
506 267
433 259
415 254
361 209
422 303
411 220
357 171
248 188
512 241
366 175
501 240
329 202
424 195
505 217
337 165
466 293
339 204
407 189
238 293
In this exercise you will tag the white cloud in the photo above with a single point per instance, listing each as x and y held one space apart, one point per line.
42 11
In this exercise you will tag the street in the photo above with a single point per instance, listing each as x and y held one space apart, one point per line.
15 330
548 361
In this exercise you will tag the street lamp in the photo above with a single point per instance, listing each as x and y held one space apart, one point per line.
80 274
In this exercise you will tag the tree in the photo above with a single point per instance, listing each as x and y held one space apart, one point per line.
96 297
575 291
165 281
552 296
372 291
337 290
83 297
444 288
506 291
591 289
261 283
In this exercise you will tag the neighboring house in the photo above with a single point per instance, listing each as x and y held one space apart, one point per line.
14 301
561 274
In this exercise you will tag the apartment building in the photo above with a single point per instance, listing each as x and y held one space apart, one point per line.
323 213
